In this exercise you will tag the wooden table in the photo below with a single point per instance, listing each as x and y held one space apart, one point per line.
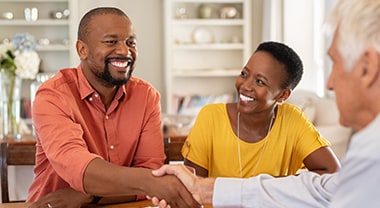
139 204
24 139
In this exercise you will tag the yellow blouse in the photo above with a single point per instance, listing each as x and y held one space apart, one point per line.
213 145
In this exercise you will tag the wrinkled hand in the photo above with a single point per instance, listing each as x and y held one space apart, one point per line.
63 198
187 176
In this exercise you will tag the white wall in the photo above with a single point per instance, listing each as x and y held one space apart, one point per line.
302 30
299 23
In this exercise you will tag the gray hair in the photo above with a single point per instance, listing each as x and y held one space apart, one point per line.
357 22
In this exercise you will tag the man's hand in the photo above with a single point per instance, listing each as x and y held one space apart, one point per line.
168 188
187 177
63 198
200 188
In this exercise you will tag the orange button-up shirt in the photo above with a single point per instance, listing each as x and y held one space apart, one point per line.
73 127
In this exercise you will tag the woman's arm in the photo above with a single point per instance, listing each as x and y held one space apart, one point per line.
322 160
199 171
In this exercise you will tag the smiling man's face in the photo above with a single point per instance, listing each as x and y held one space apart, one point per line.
110 49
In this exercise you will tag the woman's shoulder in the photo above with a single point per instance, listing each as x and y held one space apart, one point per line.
288 108
214 108
290 112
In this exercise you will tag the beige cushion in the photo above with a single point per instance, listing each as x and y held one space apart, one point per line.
306 102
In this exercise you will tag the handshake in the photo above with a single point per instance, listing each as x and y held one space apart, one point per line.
200 188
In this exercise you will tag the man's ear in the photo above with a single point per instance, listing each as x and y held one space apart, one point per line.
81 49
370 67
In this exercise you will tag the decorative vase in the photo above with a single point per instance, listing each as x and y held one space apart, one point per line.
204 11
10 104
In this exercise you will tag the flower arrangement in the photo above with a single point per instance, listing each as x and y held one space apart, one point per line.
18 60
19 56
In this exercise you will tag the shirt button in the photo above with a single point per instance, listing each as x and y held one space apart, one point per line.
112 147
96 95
107 117
90 99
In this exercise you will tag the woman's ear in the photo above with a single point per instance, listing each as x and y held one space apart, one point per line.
81 49
285 93
370 67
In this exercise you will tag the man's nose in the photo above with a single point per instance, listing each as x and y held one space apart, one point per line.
123 48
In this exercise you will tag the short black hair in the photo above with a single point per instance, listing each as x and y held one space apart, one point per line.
287 56
84 24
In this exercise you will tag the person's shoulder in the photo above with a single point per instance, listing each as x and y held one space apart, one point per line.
137 86
141 84
290 112
63 76
214 108
138 82
287 108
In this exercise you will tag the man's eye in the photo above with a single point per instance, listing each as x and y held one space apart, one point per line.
243 74
110 42
131 43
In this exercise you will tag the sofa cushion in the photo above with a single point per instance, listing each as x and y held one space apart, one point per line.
306 102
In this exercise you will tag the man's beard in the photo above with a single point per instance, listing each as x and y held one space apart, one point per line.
109 80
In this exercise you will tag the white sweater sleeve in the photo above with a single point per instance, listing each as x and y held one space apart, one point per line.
308 189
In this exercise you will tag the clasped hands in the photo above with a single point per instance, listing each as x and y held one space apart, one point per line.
200 188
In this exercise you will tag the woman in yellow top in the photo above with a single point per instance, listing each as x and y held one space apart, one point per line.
259 133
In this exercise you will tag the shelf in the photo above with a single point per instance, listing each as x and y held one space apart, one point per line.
208 1
33 1
212 46
207 73
57 54
203 54
41 22
53 47
226 22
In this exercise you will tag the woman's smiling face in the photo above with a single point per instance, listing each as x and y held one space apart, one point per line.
259 84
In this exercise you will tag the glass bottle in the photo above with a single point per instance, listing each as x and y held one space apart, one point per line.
40 78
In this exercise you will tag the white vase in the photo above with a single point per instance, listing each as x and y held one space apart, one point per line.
10 105
204 11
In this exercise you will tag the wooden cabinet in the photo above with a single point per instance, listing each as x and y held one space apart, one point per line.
207 42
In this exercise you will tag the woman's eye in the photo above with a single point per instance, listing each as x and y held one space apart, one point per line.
243 74
260 82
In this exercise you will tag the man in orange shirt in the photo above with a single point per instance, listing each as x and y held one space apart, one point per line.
98 128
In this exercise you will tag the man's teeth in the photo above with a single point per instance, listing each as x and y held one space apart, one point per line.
120 64
245 98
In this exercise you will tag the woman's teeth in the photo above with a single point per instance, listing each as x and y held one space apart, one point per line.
245 98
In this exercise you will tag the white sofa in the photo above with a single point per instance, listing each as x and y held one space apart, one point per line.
324 114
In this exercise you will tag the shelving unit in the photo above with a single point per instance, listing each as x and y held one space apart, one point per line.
204 52
60 52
